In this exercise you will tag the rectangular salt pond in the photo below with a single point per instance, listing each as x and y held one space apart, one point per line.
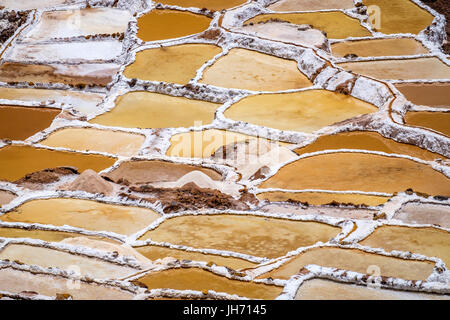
257 236
318 289
430 242
89 139
45 235
378 47
16 281
436 94
343 171
81 74
84 22
354 260
156 252
44 257
140 109
87 214
400 69
251 70
15 161
20 123
198 279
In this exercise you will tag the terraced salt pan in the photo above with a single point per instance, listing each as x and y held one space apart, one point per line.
44 257
337 212
251 70
151 171
343 171
80 22
19 123
322 198
98 244
176 64
83 102
6 197
157 252
85 74
354 260
202 144
310 5
88 139
216 5
378 47
70 52
401 16
304 111
258 236
199 279
166 24
16 281
438 121
427 94
336 24
253 158
15 161
424 213
286 32
427 241
364 140
404 69
32 4
153 110
318 289
45 235
86 214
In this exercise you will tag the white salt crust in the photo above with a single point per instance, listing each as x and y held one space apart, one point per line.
388 121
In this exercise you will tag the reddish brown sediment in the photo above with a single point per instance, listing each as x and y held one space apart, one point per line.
148 171
187 197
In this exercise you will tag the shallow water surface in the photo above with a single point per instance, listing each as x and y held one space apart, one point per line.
258 236
156 252
400 16
318 289
86 214
343 171
363 140
427 241
88 139
199 279
322 198
336 24
176 64
379 47
19 123
251 70
354 260
427 94
153 110
438 121
305 111
15 161
404 69
167 24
